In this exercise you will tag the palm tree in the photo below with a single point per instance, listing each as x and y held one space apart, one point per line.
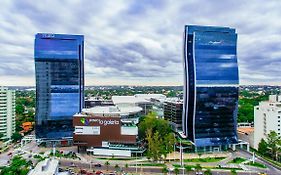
126 166
107 165
165 170
208 172
177 171
198 167
116 167
233 172
187 169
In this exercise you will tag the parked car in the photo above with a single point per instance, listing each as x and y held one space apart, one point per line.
99 173
82 171
97 165
72 164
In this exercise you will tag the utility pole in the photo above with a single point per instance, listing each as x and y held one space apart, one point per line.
181 154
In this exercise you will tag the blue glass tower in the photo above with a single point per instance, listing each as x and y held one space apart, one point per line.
210 85
59 67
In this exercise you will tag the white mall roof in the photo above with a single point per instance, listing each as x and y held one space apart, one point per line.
138 98
113 110
128 99
174 100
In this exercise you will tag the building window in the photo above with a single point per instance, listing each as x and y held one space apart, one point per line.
278 116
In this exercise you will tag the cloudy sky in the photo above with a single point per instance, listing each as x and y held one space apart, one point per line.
139 42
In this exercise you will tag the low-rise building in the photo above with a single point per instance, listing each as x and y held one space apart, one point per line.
104 131
246 134
173 113
91 102
267 118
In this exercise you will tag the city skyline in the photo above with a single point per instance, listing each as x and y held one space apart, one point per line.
131 43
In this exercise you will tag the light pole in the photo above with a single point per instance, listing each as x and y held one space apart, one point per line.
136 164
174 148
181 154
181 157
91 166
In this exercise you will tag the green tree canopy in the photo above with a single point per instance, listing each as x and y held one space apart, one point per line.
158 135
16 136
263 147
273 143
18 166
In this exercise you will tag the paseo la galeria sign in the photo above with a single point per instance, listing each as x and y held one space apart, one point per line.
105 122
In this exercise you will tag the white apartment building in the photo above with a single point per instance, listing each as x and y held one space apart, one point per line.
267 117
7 112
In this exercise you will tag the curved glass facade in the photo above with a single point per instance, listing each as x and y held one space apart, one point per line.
59 67
210 86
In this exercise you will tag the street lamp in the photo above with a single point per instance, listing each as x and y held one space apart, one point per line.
91 165
174 148
136 164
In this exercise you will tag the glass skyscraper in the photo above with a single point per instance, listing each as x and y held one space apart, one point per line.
59 67
210 85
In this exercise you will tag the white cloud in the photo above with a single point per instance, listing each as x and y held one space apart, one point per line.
138 42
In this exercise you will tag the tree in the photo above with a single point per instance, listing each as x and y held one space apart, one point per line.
198 167
156 149
263 147
107 165
165 170
169 141
126 166
187 169
16 136
18 166
149 143
176 170
233 172
116 167
1 135
208 172
273 143
158 135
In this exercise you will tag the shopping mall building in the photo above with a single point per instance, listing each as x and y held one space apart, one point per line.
107 131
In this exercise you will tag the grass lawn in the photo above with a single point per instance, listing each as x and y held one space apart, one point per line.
149 164
238 160
256 164
225 168
115 158
191 166
206 167
208 159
